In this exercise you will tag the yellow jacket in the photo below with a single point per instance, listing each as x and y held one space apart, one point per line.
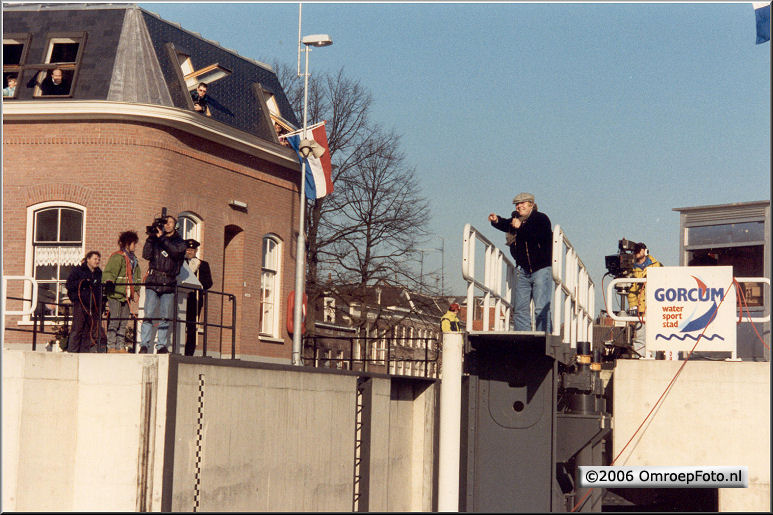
450 323
637 294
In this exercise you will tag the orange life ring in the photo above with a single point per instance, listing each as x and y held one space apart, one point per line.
291 312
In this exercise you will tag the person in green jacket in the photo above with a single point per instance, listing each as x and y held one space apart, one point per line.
121 278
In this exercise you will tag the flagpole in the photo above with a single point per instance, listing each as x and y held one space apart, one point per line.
300 257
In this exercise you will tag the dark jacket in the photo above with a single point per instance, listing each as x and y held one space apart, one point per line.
533 246
196 297
165 256
84 287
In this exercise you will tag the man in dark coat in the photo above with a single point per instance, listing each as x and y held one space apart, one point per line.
196 298
530 237
165 251
84 288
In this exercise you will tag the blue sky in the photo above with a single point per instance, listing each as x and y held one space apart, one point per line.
612 114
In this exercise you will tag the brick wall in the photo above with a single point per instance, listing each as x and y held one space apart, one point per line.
125 172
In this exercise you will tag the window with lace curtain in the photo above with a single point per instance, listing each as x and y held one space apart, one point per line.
57 247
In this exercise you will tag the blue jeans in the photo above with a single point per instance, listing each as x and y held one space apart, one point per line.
162 304
538 286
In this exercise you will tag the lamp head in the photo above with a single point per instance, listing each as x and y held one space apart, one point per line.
309 146
317 40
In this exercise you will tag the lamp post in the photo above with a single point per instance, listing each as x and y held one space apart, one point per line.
316 40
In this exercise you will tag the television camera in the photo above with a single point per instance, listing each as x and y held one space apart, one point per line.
158 223
621 264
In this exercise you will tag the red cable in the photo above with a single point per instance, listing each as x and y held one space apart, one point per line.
742 297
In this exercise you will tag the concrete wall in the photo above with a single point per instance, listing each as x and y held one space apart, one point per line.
399 445
73 429
168 433
716 413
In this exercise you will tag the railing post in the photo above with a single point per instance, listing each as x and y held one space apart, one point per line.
173 322
426 358
233 326
389 355
35 314
206 323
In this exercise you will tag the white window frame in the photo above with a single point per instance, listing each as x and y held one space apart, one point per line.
195 231
270 326
59 40
29 251
329 310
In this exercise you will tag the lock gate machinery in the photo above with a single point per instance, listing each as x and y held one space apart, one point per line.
533 407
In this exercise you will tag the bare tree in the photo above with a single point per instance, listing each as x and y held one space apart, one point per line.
369 227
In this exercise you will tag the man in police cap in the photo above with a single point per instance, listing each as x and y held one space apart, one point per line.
200 269
530 238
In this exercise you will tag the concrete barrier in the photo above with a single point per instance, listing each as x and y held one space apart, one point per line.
170 433
716 413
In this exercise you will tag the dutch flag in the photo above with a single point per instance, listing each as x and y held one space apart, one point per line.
762 14
319 170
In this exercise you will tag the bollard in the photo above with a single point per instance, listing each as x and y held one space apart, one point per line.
450 423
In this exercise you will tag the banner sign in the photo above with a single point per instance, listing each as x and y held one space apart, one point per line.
685 302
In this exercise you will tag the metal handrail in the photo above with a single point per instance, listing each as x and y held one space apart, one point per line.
570 276
39 320
366 359
496 267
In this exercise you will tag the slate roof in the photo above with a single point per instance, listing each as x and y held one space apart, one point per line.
125 59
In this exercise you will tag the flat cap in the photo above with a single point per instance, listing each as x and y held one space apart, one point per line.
523 197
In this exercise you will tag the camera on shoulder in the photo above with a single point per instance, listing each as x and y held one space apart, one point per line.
158 223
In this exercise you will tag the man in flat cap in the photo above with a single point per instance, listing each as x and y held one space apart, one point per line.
200 269
530 238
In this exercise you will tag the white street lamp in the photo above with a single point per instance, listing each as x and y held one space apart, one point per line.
314 40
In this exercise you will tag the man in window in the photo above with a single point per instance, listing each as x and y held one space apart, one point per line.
199 97
55 84
11 89
165 251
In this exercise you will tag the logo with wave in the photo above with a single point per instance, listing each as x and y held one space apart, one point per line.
700 318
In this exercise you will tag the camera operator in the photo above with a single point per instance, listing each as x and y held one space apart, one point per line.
165 250
642 261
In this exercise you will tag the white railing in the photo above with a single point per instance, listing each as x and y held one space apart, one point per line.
33 302
573 295
496 292
572 282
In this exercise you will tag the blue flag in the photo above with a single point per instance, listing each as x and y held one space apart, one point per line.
762 14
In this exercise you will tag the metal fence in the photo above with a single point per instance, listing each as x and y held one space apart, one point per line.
59 325
359 355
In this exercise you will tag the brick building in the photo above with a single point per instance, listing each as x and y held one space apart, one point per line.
122 141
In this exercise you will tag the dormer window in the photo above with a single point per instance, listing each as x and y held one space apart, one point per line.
63 52
207 75
15 48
